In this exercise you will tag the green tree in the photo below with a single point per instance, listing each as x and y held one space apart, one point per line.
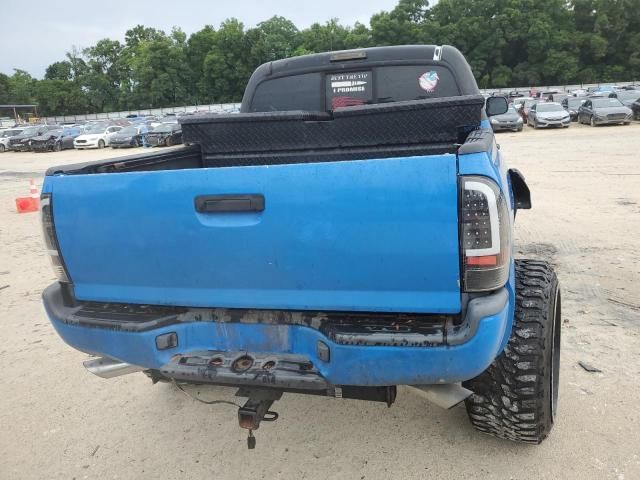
21 87
402 25
59 71
272 39
198 46
324 38
226 69
5 86
55 97
104 74
159 72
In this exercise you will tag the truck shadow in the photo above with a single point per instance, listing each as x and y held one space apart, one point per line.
339 425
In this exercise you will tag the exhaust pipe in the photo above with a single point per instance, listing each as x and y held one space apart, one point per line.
106 367
447 395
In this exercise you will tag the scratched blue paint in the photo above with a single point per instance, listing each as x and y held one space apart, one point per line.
349 365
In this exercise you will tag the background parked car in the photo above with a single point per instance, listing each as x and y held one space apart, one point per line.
635 108
626 97
165 134
602 111
520 101
546 95
55 140
130 136
601 89
558 97
511 120
548 114
5 135
22 141
96 136
571 105
579 92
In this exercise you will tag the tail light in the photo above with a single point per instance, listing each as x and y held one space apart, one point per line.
50 238
485 235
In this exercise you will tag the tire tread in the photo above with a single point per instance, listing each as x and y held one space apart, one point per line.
510 399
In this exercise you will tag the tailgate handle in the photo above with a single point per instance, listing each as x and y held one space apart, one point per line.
229 203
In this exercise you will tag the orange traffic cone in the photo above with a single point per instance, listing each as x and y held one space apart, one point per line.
30 203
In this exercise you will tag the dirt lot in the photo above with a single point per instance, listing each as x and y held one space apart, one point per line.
58 421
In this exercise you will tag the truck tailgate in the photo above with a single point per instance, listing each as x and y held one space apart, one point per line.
369 235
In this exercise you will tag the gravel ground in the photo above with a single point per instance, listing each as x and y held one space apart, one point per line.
58 421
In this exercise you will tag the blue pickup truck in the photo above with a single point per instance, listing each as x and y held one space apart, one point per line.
350 230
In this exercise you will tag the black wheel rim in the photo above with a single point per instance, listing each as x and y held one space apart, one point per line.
555 354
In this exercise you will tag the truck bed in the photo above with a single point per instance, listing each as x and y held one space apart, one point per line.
400 129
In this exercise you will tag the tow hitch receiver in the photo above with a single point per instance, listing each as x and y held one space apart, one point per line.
262 378
256 410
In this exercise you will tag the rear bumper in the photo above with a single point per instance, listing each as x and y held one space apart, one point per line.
459 354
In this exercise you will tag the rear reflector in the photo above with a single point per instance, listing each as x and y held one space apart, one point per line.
490 260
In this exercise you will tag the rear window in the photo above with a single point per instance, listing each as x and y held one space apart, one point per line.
606 102
549 107
331 90
414 82
297 92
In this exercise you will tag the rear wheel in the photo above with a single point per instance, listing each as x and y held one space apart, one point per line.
516 397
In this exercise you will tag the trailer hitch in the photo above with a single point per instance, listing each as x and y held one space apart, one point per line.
262 378
256 410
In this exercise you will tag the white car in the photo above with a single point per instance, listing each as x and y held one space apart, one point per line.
5 135
548 114
96 136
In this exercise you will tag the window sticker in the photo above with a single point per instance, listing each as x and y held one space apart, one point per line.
429 81
348 89
350 83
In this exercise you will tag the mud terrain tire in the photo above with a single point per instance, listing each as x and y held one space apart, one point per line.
516 397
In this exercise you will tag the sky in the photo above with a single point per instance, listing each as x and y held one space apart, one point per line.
52 28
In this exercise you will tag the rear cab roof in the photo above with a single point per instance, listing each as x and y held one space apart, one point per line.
445 56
